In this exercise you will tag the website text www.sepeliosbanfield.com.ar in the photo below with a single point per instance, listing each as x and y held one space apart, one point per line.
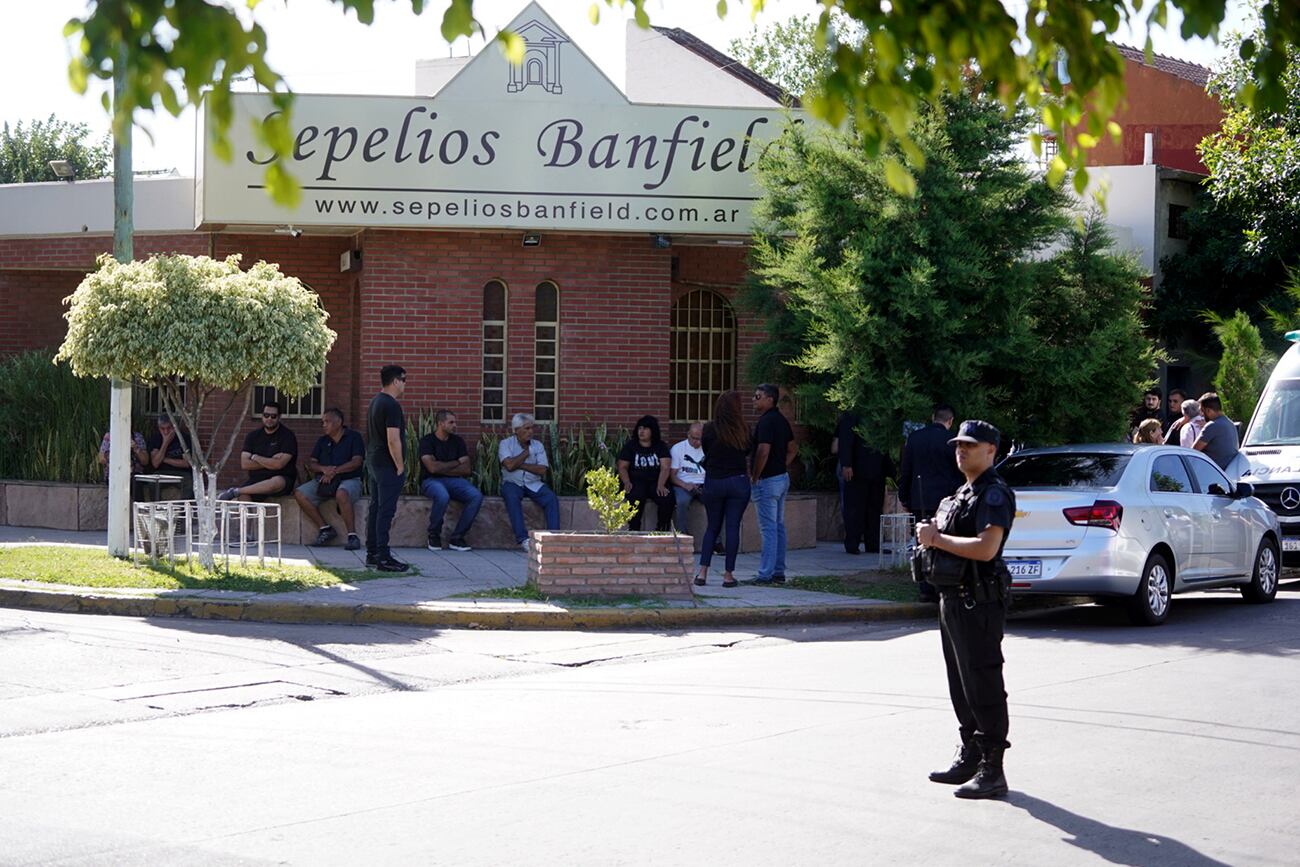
474 210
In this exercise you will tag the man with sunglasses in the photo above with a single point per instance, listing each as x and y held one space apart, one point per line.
270 455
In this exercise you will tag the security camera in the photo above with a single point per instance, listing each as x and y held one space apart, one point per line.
291 231
295 233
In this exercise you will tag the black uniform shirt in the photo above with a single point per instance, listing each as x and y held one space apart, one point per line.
978 505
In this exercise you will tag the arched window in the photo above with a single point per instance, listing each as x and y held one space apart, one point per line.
546 352
494 352
703 354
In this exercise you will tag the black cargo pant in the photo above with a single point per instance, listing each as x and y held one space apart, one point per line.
972 651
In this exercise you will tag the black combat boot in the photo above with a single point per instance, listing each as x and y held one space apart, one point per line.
989 781
964 765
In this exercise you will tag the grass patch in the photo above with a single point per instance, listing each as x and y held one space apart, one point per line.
890 586
530 593
92 567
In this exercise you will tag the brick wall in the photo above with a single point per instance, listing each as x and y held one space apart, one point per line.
422 307
418 302
599 564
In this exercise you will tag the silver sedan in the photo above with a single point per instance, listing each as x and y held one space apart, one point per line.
1136 523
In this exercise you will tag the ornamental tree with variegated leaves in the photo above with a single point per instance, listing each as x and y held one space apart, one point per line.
202 331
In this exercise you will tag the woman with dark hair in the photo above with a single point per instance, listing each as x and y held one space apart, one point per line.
726 482
643 465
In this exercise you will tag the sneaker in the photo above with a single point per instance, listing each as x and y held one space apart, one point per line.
353 543
391 564
372 559
459 545
778 579
763 582
228 494
326 535
434 544
525 545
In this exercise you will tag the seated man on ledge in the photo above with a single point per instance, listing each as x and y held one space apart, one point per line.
335 465
523 466
444 476
270 456
167 454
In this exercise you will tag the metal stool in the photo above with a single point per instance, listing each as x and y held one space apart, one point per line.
896 533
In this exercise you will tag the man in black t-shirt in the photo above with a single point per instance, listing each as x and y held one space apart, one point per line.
166 449
335 466
270 455
774 448
444 476
644 463
386 465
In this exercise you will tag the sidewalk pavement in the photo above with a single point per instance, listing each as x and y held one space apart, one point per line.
437 596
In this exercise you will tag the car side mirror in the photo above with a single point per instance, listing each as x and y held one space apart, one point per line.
1243 490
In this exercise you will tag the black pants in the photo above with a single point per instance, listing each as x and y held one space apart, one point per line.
972 651
643 492
385 486
862 504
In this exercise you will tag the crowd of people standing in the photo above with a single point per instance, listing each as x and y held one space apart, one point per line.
1191 423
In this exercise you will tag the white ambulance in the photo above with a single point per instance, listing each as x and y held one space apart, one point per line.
1270 450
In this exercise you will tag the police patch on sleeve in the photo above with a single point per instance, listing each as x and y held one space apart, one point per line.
995 497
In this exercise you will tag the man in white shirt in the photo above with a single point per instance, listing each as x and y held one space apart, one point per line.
688 473
523 469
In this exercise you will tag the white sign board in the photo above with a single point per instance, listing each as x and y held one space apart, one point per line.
549 144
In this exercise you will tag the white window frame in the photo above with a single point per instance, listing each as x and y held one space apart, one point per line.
722 339
504 325
539 409
290 407
148 398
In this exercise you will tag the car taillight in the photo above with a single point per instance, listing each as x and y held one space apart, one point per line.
1103 513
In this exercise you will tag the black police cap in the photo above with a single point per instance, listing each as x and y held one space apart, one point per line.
976 431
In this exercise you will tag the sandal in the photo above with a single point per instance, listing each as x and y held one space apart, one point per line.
732 583
699 581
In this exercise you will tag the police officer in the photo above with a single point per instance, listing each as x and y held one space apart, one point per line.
973 525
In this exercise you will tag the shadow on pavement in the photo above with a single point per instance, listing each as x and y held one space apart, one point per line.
1215 620
1115 845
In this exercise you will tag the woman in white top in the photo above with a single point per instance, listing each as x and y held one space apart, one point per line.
1192 424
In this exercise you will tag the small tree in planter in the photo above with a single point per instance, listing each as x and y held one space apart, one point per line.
605 496
610 563
201 331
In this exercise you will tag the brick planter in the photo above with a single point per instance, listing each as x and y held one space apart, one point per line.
618 564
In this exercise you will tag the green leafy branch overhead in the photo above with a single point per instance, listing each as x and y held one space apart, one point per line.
1057 56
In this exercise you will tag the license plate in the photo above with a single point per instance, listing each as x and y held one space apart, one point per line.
1033 568
1290 544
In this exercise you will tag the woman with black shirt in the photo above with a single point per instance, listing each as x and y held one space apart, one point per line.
726 482
643 466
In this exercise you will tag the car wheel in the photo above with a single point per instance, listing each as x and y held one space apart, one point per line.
1263 581
1149 606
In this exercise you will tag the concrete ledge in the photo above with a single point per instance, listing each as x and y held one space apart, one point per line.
465 616
810 516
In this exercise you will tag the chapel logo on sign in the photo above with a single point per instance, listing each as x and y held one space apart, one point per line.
541 64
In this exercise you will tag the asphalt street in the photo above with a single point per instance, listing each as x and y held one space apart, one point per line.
195 742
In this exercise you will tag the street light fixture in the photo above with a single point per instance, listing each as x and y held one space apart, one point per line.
63 170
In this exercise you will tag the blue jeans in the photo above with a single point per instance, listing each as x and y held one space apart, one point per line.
769 499
724 499
442 491
514 498
683 514
385 487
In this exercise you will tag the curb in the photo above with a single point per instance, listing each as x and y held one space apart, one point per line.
196 608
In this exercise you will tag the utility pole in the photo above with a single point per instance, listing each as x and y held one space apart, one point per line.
119 423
